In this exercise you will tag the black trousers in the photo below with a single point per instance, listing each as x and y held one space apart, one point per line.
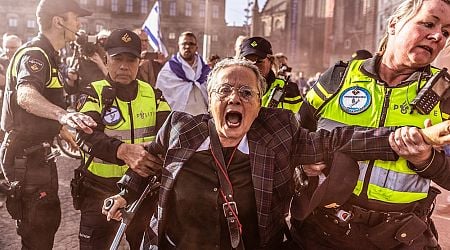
98 233
319 232
38 210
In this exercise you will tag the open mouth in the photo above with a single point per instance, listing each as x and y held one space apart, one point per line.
233 119
429 49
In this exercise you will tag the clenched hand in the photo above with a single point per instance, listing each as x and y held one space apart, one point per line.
138 159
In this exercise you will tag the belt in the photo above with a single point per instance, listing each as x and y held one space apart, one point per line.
44 148
371 217
344 215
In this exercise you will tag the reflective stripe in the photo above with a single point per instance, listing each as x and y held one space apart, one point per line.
384 194
322 91
328 124
391 186
398 181
126 134
54 83
107 170
314 98
363 165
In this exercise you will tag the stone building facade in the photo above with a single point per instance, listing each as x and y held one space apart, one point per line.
316 33
177 16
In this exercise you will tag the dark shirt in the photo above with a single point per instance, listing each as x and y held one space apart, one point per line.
196 217
88 72
33 68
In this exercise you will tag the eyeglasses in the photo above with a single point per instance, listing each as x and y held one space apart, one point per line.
245 92
188 44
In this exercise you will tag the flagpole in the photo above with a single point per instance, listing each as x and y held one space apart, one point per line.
206 36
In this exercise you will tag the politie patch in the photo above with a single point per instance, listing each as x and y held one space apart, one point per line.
112 116
34 65
355 100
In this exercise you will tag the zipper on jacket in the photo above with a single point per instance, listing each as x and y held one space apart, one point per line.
130 112
384 110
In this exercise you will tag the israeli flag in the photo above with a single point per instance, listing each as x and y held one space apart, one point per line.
152 28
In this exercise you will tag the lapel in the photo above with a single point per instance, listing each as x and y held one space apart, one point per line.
262 161
183 143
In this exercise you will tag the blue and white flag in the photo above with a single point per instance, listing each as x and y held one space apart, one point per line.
152 28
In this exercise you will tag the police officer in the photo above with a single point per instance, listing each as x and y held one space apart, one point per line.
280 93
388 204
129 113
33 111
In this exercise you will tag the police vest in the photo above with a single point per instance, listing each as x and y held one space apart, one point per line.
131 122
290 103
361 101
21 120
54 82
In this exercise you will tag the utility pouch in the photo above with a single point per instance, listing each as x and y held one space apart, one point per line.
396 230
76 188
14 201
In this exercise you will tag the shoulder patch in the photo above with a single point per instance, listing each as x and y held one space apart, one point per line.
355 100
34 65
112 116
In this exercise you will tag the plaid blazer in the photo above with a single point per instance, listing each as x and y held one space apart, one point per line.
276 143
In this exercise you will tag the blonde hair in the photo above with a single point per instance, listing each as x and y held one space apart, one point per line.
404 12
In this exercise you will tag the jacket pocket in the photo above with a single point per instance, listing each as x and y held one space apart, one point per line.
397 230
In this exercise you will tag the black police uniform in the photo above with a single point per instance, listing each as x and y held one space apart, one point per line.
37 211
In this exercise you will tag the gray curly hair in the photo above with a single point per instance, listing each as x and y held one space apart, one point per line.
229 62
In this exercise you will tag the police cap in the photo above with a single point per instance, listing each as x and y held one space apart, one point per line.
256 46
361 54
58 7
123 41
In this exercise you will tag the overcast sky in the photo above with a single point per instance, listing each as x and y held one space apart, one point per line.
235 14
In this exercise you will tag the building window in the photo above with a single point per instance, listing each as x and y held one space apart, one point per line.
347 44
144 6
215 38
201 9
12 22
367 7
172 35
114 5
278 24
83 26
173 9
100 2
129 6
215 11
98 27
31 23
309 8
83 2
321 8
188 9
266 29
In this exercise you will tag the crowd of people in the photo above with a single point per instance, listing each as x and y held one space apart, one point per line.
237 144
